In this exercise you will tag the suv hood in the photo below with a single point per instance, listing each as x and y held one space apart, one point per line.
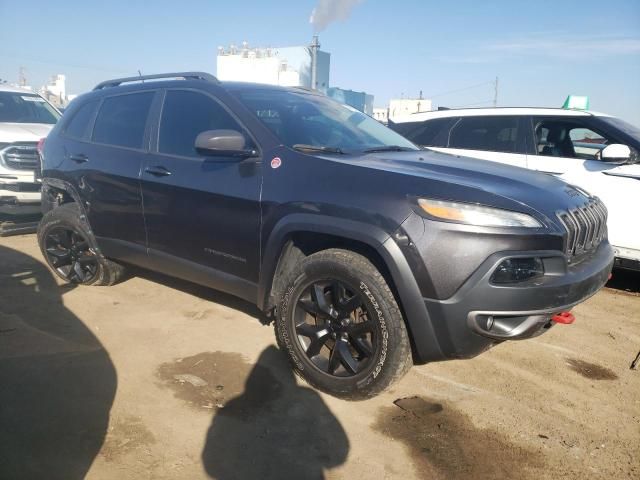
517 188
23 132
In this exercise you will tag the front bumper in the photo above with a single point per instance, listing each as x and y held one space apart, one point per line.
481 314
17 195
627 258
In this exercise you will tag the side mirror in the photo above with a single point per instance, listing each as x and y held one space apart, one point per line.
615 153
223 143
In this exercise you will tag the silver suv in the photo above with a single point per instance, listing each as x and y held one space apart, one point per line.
25 118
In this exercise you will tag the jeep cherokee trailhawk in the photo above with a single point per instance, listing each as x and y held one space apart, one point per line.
368 253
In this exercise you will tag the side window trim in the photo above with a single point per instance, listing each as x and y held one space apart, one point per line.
147 127
450 130
155 144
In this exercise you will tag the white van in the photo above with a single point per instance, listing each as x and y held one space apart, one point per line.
594 151
25 118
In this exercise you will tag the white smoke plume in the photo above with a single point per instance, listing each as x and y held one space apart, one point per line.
329 11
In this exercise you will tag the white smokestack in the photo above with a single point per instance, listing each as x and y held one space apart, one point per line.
329 11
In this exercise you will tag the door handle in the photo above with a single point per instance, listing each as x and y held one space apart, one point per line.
79 158
158 171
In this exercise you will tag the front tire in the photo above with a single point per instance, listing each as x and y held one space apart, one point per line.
341 326
64 241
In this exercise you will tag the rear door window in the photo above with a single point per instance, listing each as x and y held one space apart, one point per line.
492 134
78 126
122 120
186 114
431 133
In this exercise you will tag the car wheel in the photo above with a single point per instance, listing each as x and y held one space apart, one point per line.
341 326
64 241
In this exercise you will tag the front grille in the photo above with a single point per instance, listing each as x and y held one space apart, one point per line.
21 156
586 227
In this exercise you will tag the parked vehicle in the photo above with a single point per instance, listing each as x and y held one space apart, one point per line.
25 118
368 253
596 152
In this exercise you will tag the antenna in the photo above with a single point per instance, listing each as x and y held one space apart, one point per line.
495 95
140 75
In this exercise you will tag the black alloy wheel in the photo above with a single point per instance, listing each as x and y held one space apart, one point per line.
69 253
334 329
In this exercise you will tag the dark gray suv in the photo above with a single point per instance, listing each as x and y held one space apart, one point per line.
367 253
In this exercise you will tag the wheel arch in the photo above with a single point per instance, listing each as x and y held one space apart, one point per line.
300 235
57 192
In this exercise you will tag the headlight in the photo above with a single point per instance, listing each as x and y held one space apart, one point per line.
476 214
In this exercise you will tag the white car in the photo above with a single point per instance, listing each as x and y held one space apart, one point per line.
25 118
594 151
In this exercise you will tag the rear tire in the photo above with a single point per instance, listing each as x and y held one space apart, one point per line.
65 243
341 327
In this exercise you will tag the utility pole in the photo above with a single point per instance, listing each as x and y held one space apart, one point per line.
495 95
22 78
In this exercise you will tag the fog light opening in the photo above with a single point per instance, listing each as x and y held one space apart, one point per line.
514 270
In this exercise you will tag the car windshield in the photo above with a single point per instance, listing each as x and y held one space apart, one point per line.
309 121
625 127
18 107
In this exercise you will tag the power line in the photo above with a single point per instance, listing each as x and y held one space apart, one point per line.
463 89
68 65
473 104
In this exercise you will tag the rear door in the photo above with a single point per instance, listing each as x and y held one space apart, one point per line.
200 210
499 138
107 168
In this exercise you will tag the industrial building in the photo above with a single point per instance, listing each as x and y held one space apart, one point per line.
360 100
301 66
286 66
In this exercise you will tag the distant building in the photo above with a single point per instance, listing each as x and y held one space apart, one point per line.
286 66
56 90
401 107
381 114
359 100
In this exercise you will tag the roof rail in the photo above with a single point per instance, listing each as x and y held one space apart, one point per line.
141 78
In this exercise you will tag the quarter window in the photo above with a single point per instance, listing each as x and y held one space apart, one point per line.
185 115
79 123
122 120
494 134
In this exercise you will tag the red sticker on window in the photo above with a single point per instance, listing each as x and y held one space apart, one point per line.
276 162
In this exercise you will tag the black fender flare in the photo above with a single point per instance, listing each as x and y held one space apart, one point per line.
417 317
73 193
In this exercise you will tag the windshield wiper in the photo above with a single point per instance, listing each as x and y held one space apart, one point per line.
316 148
389 148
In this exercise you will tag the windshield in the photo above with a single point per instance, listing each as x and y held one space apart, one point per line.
301 119
623 126
18 107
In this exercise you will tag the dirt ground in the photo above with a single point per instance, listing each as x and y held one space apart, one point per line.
160 379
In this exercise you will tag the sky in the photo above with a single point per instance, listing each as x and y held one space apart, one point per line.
451 51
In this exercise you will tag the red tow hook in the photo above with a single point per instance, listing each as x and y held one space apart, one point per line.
566 318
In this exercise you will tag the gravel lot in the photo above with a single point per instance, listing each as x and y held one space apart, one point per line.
157 378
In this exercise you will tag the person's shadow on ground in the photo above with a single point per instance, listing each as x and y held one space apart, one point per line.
57 383
275 429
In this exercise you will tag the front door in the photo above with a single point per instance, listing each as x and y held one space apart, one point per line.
201 213
567 148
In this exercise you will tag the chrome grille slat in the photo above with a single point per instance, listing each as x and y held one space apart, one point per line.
21 156
586 227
